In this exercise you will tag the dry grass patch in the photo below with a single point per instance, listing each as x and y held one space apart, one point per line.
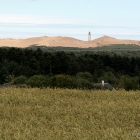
63 114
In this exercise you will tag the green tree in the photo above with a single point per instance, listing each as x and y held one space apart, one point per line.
129 83
109 77
36 81
85 75
63 81
20 80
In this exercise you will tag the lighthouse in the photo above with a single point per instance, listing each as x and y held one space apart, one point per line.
89 36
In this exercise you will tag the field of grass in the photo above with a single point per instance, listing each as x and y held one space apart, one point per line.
63 114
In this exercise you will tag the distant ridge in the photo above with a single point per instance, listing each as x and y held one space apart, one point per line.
64 42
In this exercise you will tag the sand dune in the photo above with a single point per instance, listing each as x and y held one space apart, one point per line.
64 41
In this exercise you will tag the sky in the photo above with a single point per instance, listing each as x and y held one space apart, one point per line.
72 18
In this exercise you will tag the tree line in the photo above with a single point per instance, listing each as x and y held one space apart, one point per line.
115 69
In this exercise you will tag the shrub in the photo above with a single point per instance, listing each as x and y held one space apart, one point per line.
20 80
84 84
109 77
129 83
84 75
63 81
36 81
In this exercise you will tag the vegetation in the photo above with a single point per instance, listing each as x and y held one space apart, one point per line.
66 114
68 70
80 81
120 49
58 109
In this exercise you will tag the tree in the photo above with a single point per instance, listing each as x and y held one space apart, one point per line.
108 77
63 81
20 80
129 83
36 81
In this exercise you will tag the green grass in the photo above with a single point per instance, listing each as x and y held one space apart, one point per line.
63 114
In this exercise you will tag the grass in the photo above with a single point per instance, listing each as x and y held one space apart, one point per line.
63 114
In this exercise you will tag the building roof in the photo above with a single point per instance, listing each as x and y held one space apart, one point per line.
106 85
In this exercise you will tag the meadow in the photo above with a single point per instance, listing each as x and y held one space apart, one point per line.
69 114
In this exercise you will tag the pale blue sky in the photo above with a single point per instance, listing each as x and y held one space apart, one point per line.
73 18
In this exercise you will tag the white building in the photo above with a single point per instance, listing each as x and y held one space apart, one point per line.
89 36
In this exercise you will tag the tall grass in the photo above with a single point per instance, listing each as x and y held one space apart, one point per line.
63 114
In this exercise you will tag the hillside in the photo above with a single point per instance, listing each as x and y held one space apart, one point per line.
64 42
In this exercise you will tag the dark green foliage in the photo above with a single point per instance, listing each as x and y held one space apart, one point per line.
36 81
3 74
129 83
108 77
84 75
63 81
20 80
69 69
119 49
84 84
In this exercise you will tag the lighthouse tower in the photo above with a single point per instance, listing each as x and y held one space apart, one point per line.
89 36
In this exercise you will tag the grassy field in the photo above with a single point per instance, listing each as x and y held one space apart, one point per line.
62 114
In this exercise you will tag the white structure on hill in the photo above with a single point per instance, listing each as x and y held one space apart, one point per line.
89 36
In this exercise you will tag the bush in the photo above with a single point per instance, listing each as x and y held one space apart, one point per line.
20 80
63 81
36 81
129 83
84 75
84 84
110 78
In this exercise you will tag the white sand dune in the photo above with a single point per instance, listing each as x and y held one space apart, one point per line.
64 41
